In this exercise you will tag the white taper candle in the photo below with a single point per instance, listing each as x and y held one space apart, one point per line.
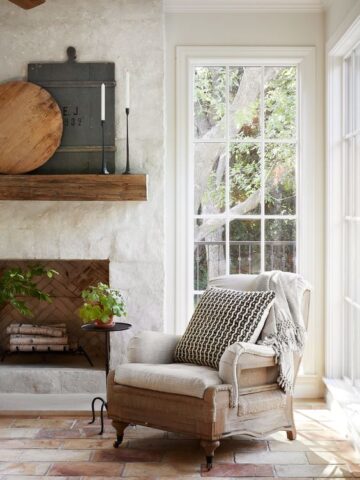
103 102
127 93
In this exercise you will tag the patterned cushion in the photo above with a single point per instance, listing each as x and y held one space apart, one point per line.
221 318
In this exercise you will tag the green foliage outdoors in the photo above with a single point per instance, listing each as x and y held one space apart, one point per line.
244 169
16 284
100 303
210 85
246 123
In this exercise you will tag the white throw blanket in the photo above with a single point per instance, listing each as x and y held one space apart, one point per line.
284 329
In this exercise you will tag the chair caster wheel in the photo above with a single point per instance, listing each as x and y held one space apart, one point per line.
118 441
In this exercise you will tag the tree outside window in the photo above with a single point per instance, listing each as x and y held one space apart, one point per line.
244 157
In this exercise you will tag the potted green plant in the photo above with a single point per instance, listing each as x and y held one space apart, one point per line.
16 283
101 303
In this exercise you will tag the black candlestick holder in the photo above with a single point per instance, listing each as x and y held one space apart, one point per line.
127 169
104 169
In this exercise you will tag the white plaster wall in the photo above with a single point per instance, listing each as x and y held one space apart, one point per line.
249 29
129 33
336 13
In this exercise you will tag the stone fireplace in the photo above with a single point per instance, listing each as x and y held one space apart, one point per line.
65 291
129 235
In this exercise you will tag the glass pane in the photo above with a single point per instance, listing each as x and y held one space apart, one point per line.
348 102
356 353
357 88
245 246
197 299
347 176
347 259
245 178
347 344
356 260
209 102
209 178
351 270
280 245
280 102
280 187
209 251
351 167
357 172
244 101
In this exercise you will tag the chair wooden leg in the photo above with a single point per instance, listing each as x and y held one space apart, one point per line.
119 427
291 434
209 448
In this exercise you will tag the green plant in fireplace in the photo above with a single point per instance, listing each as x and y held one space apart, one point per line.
17 284
101 303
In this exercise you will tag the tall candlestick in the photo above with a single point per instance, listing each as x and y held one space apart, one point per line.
103 102
104 169
127 93
127 169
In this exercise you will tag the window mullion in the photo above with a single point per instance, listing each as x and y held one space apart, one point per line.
227 176
353 213
262 166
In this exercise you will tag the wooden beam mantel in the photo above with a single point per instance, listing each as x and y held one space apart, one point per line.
74 187
27 4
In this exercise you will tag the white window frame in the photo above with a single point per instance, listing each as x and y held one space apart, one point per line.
336 201
227 140
309 192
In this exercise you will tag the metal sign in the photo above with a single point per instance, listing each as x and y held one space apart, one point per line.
76 87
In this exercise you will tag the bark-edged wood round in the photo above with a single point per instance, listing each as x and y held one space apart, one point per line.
30 127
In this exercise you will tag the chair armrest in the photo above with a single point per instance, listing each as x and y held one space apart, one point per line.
248 366
152 347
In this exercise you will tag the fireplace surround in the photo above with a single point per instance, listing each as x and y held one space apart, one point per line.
130 234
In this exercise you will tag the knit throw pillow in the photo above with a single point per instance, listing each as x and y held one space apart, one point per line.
221 318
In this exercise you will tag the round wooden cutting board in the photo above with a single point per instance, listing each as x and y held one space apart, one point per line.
30 127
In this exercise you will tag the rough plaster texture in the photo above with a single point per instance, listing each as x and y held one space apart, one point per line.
51 380
131 235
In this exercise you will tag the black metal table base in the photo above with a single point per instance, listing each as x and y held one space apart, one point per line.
103 405
117 327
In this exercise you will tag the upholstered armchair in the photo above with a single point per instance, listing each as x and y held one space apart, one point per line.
208 404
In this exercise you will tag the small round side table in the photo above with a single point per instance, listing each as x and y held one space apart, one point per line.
90 327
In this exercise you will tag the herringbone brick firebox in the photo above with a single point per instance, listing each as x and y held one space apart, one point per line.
65 290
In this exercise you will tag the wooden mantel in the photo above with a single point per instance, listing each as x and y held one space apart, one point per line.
87 187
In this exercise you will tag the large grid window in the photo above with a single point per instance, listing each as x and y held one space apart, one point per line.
351 255
244 147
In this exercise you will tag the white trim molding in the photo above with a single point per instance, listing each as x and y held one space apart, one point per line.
310 185
342 397
335 202
243 6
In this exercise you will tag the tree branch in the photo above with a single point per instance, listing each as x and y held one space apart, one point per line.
212 224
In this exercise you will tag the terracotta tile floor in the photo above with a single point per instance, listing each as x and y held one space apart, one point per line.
63 447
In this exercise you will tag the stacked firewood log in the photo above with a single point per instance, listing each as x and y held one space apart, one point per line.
38 338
